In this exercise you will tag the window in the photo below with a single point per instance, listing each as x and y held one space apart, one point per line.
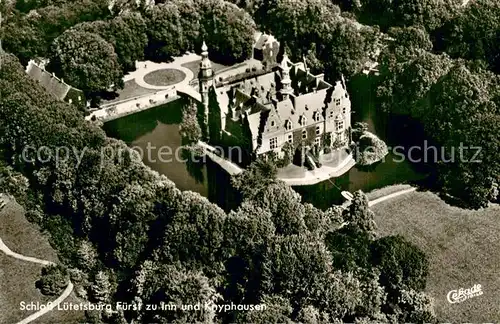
290 138
337 102
288 125
344 110
79 98
272 123
273 143
302 120
316 116
331 114
317 141
304 134
340 125
318 130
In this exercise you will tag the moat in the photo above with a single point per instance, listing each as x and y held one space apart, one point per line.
160 127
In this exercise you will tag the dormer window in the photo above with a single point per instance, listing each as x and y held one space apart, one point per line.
316 116
288 125
304 134
302 120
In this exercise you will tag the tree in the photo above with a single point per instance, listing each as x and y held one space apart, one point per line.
102 289
350 248
37 30
176 247
340 45
278 310
402 264
227 29
175 285
166 32
255 178
416 307
189 128
299 267
127 34
349 48
87 255
471 124
473 34
311 315
285 206
194 235
428 13
359 215
53 280
86 61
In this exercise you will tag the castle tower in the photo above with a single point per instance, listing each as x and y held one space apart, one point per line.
286 82
205 76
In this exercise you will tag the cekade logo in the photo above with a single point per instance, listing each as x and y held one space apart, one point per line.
461 295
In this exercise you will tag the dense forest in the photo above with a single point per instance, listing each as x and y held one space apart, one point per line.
126 233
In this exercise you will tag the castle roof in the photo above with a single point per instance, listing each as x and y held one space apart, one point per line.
49 81
261 40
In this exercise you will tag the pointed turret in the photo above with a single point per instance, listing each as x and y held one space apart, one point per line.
205 77
286 82
205 64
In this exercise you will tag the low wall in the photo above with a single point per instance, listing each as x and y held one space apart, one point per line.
128 107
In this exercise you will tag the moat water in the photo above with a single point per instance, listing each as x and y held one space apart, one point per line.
159 127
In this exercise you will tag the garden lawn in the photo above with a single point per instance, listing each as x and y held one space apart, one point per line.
164 77
463 247
130 90
23 237
17 277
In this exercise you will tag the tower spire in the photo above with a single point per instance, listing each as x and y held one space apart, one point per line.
286 82
205 77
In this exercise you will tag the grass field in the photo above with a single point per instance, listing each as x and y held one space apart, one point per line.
463 247
17 278
164 77
130 90
23 237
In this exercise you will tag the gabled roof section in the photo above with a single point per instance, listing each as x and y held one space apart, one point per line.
49 81
286 110
262 39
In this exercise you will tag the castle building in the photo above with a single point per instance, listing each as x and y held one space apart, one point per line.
284 105
55 86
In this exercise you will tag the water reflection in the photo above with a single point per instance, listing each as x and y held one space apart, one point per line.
160 127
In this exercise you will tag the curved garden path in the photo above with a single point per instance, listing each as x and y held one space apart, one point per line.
389 196
146 67
5 249
381 199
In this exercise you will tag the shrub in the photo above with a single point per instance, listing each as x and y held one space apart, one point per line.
402 264
53 280
370 149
